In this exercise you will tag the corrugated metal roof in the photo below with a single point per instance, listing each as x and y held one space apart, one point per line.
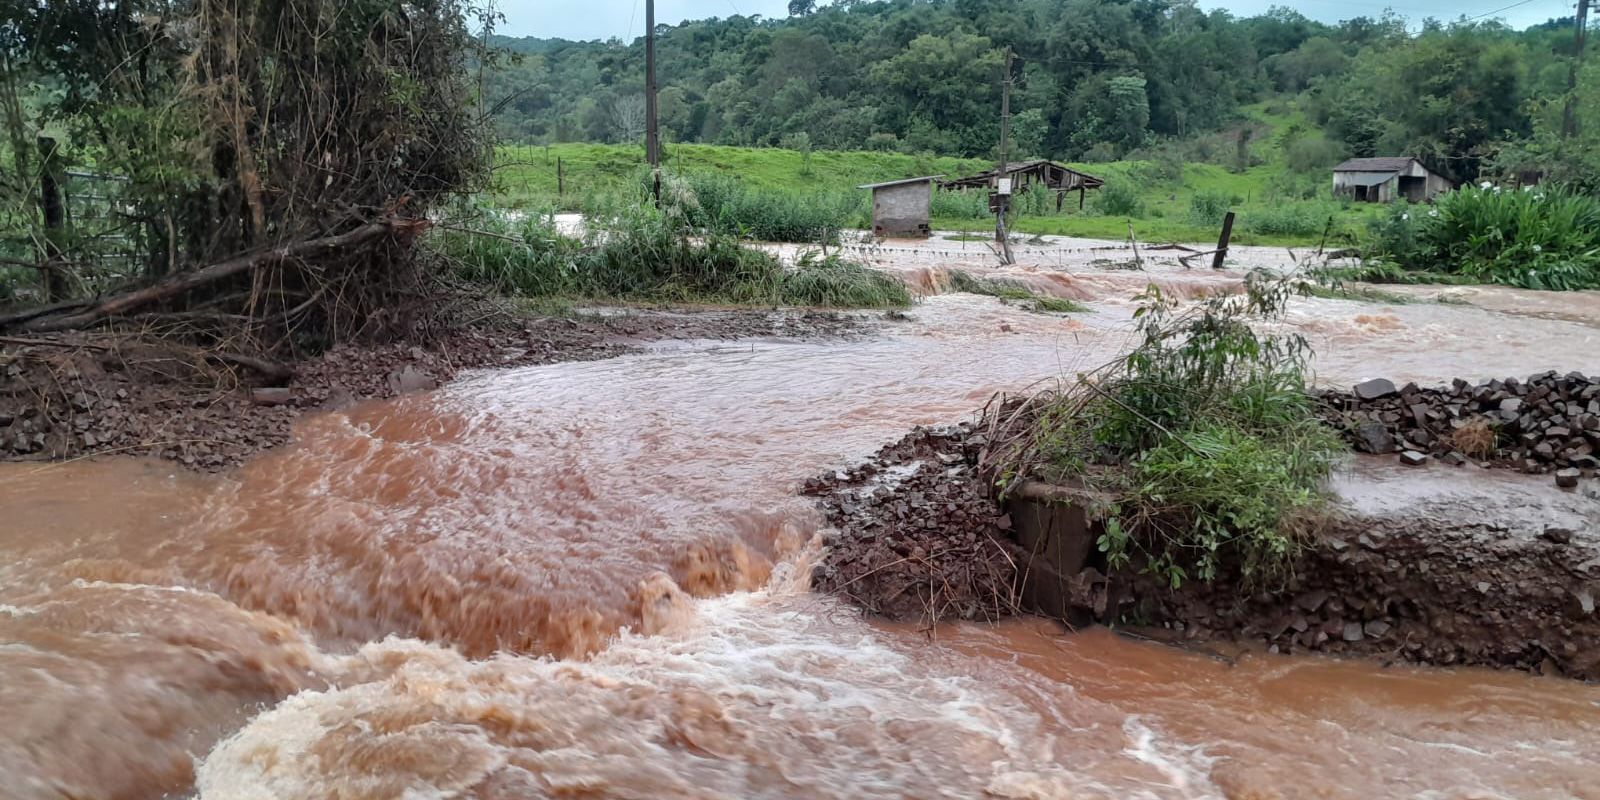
1383 164
898 182
1372 178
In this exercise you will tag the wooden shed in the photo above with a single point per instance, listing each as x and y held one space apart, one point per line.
1024 175
901 208
1385 180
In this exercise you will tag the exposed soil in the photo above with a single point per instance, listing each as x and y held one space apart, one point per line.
84 394
1436 579
914 535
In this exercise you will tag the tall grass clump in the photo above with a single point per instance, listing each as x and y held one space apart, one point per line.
1204 433
833 282
726 205
1537 238
970 204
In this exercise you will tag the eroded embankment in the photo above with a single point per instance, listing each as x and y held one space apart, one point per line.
81 395
1434 565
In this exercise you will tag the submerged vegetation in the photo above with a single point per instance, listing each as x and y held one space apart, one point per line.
1008 292
1204 434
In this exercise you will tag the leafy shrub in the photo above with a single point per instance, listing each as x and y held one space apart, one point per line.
1208 207
1312 154
1539 238
1119 199
1204 432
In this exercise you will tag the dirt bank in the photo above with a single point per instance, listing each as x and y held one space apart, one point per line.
1434 566
78 395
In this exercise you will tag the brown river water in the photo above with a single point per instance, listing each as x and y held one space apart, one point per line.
587 580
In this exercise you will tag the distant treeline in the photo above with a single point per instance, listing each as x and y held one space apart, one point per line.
1095 80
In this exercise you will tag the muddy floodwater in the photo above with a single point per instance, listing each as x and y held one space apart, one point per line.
588 579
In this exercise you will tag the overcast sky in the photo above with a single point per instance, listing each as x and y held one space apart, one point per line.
624 19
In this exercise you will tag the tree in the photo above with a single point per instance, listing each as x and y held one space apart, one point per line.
627 114
800 8
1028 131
1129 109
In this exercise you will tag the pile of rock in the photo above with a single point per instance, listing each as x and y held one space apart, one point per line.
914 535
1547 423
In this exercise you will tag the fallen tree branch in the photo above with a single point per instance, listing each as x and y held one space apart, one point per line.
8 320
26 342
1184 260
183 282
271 370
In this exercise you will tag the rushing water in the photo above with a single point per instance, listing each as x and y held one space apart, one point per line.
588 580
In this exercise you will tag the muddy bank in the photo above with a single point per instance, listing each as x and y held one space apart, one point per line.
1443 567
79 395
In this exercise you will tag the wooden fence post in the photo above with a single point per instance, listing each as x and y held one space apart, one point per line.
561 186
1222 242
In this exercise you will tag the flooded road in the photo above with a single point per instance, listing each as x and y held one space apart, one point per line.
588 579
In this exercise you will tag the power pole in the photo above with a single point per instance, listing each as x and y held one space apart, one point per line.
1569 115
652 141
1002 182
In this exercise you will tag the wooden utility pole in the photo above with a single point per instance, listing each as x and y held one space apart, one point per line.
1002 182
1569 115
652 141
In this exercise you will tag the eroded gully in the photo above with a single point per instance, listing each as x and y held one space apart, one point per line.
429 595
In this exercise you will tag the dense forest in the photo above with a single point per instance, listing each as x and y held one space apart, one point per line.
1094 80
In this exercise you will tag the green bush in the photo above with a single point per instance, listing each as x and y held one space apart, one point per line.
1204 434
1538 238
1118 199
1208 207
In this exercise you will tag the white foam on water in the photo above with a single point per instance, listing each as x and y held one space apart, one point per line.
757 694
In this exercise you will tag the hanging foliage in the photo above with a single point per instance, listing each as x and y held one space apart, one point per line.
273 134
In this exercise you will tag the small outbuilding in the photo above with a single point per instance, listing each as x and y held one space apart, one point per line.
1385 180
901 209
